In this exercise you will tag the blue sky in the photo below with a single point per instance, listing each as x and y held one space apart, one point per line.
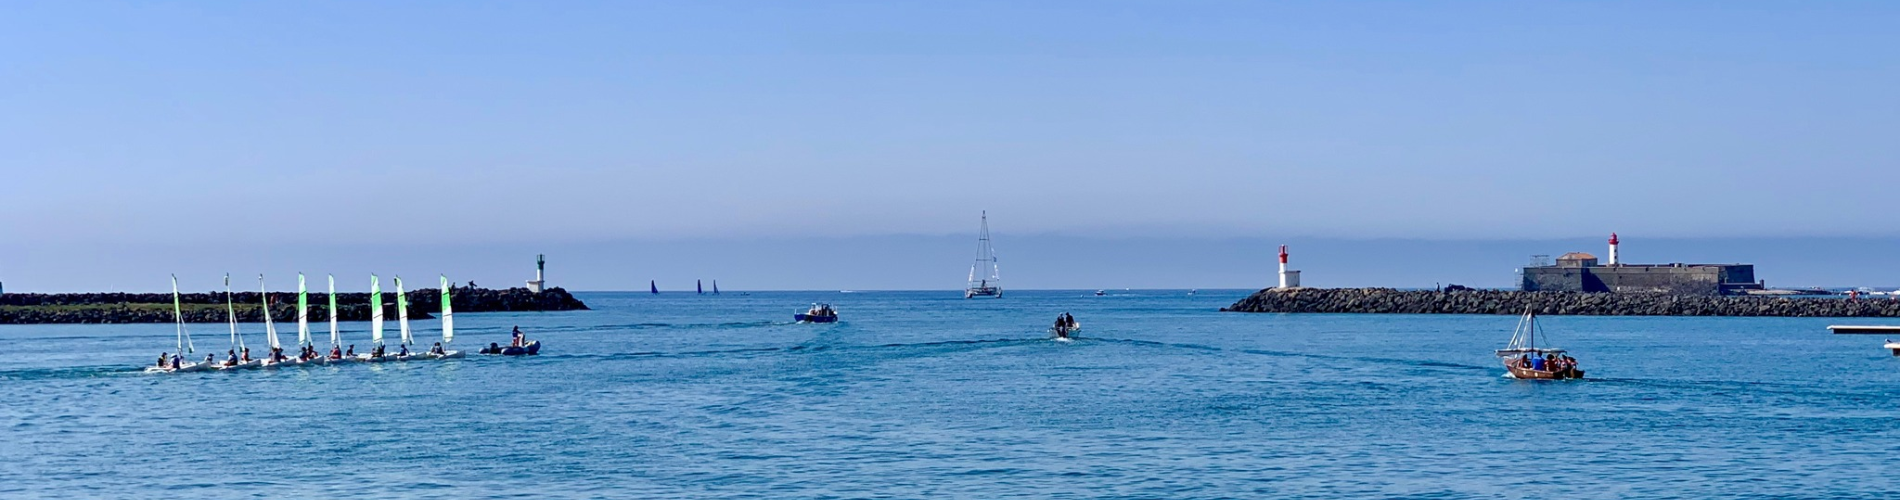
143 138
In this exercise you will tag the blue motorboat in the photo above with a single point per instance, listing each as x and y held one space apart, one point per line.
819 313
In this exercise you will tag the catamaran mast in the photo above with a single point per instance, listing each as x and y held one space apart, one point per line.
336 339
230 314
375 309
402 313
303 313
270 329
178 311
448 314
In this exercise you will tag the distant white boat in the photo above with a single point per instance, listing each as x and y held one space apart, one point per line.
178 361
985 277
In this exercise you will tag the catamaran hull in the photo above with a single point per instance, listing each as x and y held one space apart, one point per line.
983 292
243 365
194 367
446 355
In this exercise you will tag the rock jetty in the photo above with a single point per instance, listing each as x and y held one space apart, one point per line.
35 308
1390 301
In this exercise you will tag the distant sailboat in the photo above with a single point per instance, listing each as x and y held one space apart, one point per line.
270 328
651 287
699 286
176 363
303 313
336 337
985 277
375 320
715 287
402 319
448 325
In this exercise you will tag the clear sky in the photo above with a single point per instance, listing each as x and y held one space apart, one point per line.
143 138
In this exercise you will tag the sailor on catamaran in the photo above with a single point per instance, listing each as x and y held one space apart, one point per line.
437 350
163 357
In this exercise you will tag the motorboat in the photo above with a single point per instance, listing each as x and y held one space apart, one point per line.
819 313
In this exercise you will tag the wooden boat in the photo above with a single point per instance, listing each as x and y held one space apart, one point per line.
1527 360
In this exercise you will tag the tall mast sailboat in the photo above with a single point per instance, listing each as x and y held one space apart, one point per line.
653 286
985 277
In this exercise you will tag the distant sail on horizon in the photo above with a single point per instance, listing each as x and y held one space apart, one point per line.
653 287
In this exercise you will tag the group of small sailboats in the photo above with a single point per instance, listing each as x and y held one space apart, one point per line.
239 356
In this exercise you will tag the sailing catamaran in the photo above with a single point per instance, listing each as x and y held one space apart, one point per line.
275 357
1526 360
375 321
240 356
178 362
402 322
336 338
989 282
448 326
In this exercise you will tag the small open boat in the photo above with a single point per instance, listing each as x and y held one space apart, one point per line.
1527 360
529 349
819 313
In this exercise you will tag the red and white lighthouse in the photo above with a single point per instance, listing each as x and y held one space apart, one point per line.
1613 260
1288 279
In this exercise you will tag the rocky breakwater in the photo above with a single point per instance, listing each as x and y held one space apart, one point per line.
1390 301
35 308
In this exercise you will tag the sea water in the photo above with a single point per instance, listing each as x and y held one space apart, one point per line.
929 395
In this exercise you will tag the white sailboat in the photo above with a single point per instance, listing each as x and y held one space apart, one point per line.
179 362
402 322
240 356
448 325
336 338
375 321
271 359
985 277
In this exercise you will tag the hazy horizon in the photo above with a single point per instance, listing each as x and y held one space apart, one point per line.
853 145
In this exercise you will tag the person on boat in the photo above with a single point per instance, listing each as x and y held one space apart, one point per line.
376 352
403 352
437 350
247 355
336 352
517 337
177 361
351 352
1537 363
210 359
162 357
492 348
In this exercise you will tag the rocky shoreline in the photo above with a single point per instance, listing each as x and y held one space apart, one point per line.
1391 301
35 308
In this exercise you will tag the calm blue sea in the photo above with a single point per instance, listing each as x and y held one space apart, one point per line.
928 395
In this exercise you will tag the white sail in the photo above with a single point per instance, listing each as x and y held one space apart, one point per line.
375 310
230 313
448 314
178 311
303 313
985 276
402 313
270 328
336 339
